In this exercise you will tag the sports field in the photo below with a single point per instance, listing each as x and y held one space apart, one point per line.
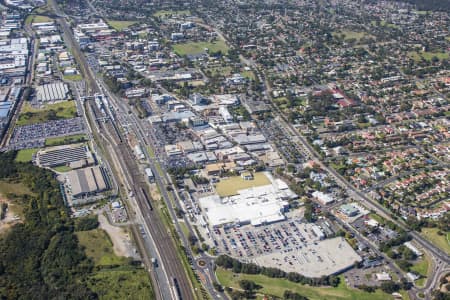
199 47
120 25
230 186
166 13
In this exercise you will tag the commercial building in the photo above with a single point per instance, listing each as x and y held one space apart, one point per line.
227 117
349 210
92 27
323 198
383 276
411 247
256 206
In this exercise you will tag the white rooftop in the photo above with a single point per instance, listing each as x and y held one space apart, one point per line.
256 205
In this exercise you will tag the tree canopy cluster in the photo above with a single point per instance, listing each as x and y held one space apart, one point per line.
236 266
41 257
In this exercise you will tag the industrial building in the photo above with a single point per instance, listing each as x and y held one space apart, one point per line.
52 92
85 182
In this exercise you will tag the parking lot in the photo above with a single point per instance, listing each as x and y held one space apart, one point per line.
29 136
292 246
249 241
357 277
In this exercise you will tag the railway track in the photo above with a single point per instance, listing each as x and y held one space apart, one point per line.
161 235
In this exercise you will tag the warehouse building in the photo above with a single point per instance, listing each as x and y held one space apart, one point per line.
85 182
52 92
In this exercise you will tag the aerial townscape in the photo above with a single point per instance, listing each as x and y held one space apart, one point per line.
251 149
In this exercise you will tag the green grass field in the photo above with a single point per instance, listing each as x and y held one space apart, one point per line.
223 71
121 283
120 25
441 241
151 153
25 155
166 13
383 24
62 169
76 77
428 56
37 19
421 267
348 34
376 218
248 74
276 287
65 140
184 228
230 186
13 188
99 247
14 192
199 47
61 110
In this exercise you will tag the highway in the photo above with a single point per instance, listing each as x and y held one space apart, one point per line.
170 262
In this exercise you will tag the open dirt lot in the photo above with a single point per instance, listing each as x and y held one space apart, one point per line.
121 240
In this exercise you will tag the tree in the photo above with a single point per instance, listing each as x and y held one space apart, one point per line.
309 211
217 286
247 284
403 264
86 223
289 295
249 288
389 287
205 247
41 257
408 254
334 281
192 239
